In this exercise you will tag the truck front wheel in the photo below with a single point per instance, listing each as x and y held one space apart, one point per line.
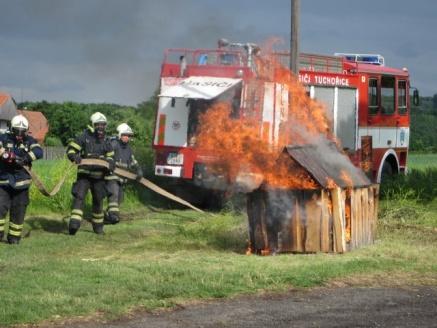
387 171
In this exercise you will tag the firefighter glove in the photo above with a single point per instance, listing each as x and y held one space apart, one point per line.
139 173
75 158
22 160
19 161
27 159
111 166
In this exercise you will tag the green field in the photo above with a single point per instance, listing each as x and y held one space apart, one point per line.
422 161
419 185
159 257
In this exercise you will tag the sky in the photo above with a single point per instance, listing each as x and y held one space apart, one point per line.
111 50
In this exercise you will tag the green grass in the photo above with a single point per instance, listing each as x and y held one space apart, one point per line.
50 172
422 161
419 185
158 258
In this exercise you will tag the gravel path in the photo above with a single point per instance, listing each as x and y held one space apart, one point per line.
320 307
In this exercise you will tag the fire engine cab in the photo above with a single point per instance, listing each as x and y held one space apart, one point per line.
370 107
368 104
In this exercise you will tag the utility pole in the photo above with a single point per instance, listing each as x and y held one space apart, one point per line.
294 39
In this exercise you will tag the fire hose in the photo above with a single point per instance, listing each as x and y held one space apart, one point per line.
120 172
40 186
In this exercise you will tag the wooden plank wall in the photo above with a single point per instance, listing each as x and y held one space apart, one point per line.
296 228
313 220
326 224
364 215
338 221
313 211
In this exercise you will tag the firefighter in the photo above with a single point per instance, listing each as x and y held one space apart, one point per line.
124 159
92 143
17 149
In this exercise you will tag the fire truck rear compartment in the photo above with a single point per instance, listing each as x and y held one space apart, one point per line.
181 105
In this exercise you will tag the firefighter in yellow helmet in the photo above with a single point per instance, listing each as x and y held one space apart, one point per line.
17 149
92 143
124 158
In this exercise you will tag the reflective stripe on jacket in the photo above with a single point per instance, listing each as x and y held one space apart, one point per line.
123 157
88 145
10 173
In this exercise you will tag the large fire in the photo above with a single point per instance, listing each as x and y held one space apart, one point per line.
241 148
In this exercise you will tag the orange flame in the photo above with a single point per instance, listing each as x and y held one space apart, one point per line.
240 145
330 183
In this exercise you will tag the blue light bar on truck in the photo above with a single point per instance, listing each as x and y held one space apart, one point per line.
363 58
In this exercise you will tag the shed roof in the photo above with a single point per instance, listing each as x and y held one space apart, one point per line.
325 161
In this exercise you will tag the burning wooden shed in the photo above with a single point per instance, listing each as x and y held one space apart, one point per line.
338 215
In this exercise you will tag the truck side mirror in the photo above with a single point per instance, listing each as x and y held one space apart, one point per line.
416 100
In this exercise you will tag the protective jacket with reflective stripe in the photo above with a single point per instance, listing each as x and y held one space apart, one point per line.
12 174
124 158
88 145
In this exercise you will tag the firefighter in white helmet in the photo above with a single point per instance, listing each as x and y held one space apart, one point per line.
124 158
17 149
92 143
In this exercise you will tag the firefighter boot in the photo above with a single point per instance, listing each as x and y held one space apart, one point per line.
111 217
13 239
105 218
73 226
97 222
98 228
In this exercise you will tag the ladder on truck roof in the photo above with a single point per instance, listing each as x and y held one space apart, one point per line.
313 62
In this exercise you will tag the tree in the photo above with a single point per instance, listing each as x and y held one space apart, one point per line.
67 119
434 101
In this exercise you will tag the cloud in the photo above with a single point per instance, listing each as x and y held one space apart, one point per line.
92 50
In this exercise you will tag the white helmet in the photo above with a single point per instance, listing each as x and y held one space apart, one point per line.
19 124
98 117
123 128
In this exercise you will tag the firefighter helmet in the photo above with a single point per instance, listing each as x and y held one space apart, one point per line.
99 124
125 129
19 125
98 117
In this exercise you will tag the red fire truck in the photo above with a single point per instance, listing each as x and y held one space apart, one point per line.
368 103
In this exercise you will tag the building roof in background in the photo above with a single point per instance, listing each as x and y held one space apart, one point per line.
38 124
8 108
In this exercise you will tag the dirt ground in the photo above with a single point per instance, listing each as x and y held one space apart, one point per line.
319 307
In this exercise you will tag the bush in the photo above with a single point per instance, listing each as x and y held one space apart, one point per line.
52 141
144 156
